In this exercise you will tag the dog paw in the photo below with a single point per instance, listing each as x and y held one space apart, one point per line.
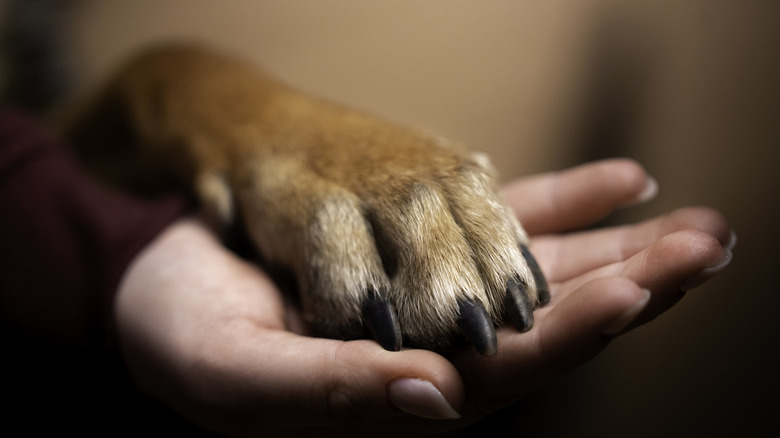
389 233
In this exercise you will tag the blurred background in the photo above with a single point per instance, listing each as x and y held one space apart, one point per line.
691 89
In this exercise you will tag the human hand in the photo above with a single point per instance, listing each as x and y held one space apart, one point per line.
212 336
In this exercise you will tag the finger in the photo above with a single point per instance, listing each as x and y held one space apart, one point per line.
577 197
675 262
570 256
307 385
581 325
567 334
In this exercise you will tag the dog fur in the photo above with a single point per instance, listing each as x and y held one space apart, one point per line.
385 228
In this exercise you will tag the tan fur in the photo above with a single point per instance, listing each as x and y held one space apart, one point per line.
349 202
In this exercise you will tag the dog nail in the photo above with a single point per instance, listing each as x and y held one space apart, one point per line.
542 289
381 319
518 306
476 325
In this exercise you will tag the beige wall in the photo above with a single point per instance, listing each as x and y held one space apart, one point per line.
692 89
480 74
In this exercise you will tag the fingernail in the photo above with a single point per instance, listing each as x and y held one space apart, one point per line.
732 241
628 315
647 193
707 273
420 398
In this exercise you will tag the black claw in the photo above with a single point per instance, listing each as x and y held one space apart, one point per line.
543 290
477 326
379 315
518 306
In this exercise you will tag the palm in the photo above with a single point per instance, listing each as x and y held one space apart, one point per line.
219 328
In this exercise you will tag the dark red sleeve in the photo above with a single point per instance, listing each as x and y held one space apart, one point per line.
64 240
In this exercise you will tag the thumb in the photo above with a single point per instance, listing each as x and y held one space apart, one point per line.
282 382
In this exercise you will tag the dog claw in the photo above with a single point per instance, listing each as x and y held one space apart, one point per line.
478 328
379 315
519 308
543 290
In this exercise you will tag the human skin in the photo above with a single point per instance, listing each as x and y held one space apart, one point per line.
212 336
